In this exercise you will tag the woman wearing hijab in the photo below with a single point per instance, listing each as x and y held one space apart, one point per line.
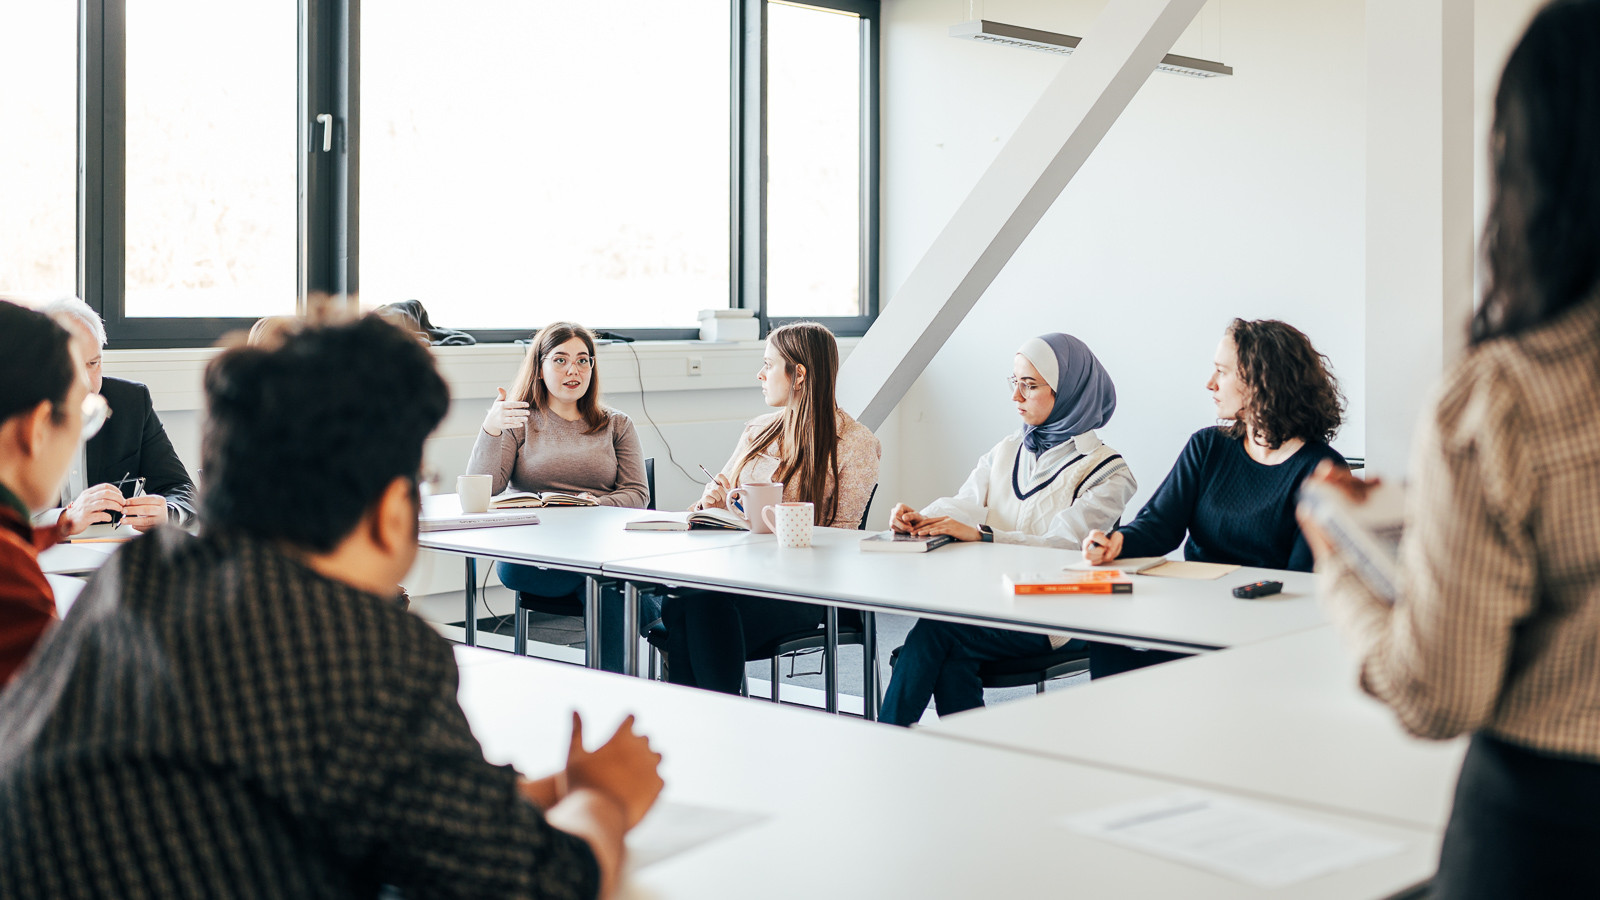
1048 484
1231 496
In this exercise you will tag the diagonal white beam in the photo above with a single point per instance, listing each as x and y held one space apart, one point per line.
1076 110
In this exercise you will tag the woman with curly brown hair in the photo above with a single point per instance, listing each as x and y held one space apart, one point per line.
1234 488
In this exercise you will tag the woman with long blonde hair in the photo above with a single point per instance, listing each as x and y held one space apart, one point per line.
822 456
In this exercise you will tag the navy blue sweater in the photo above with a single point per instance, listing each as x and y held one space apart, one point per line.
1234 509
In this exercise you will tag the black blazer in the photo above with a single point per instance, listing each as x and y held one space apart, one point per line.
133 443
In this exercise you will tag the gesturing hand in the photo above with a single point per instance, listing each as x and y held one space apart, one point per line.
504 414
623 768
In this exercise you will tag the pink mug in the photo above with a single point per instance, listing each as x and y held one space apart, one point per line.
752 499
791 523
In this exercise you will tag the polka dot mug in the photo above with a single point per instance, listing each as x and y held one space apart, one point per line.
791 522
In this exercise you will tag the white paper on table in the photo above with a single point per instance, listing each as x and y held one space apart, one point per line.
1237 840
672 828
66 588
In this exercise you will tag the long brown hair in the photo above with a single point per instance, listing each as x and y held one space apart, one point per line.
1292 392
531 389
1543 228
809 423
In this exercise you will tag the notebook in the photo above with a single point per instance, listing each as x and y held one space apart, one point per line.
476 520
1367 535
705 518
894 542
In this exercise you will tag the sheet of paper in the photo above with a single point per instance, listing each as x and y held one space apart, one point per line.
672 828
66 588
1243 842
1194 571
1130 565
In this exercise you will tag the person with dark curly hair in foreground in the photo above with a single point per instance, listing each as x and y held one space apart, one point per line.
1234 488
248 713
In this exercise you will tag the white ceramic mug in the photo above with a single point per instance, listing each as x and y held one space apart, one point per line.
791 522
474 492
750 500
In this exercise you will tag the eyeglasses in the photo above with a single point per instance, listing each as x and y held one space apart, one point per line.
561 361
95 413
1028 388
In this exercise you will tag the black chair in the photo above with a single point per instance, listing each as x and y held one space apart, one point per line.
856 627
571 604
1069 659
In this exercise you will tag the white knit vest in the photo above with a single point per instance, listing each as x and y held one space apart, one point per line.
1032 515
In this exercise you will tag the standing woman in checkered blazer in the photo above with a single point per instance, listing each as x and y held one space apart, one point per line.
1495 631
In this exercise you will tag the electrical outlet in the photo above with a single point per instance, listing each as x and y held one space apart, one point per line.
694 365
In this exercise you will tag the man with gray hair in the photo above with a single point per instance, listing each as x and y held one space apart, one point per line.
129 469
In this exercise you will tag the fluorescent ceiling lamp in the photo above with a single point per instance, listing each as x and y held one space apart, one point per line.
1049 41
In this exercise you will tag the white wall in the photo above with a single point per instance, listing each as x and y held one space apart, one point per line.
1211 199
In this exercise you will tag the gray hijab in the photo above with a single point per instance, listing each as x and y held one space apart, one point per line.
1085 396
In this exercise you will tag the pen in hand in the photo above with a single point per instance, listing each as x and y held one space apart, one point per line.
707 471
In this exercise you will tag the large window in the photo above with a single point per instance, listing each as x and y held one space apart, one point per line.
814 77
624 163
210 161
550 161
38 150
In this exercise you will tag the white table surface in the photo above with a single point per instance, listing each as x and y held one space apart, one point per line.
962 582
1282 719
862 810
578 539
76 559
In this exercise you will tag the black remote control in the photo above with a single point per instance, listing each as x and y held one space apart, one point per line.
1258 589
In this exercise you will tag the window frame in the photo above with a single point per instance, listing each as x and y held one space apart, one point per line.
753 163
328 257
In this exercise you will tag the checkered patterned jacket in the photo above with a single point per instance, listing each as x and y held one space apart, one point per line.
214 719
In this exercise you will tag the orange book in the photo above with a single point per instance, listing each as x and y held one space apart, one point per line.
1099 581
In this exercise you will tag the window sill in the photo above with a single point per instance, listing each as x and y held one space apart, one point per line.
175 376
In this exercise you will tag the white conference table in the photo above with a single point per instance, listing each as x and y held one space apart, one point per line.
962 583
1282 720
854 809
568 539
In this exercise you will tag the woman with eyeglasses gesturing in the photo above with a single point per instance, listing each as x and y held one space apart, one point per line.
1049 484
551 433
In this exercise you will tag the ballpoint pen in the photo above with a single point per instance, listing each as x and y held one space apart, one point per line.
707 471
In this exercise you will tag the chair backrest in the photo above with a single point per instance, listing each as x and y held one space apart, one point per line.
650 482
867 510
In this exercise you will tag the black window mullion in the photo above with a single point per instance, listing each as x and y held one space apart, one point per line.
329 85
755 148
752 159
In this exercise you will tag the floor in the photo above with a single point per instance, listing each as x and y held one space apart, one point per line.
561 638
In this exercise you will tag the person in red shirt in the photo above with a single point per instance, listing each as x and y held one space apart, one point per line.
45 405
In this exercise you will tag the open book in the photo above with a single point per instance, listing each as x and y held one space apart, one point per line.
536 499
683 521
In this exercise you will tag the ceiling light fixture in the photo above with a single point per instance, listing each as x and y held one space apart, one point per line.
987 32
